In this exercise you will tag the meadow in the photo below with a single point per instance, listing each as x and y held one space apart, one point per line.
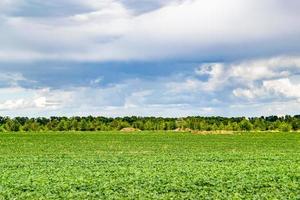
149 165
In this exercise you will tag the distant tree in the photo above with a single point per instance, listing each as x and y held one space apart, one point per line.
138 124
52 124
21 120
295 123
285 127
83 125
149 125
171 125
181 123
90 123
31 125
2 129
12 125
245 125
63 125
74 124
259 124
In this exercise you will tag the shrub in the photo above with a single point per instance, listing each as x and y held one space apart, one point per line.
285 127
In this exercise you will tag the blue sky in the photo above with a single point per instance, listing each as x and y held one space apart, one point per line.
149 57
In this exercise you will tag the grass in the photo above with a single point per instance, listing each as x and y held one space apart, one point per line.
145 165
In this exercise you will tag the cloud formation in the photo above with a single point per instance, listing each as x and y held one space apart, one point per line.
141 57
230 88
111 30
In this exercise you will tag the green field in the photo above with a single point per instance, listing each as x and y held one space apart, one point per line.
147 165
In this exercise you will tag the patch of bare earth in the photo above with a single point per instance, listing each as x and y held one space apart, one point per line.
217 132
129 129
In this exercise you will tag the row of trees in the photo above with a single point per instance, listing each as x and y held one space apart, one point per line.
286 123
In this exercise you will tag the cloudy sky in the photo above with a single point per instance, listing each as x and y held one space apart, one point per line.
149 57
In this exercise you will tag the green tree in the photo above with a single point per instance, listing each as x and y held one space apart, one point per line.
31 125
245 125
12 125
259 124
83 125
295 123
63 125
285 127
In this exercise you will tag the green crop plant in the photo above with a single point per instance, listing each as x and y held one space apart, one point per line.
149 165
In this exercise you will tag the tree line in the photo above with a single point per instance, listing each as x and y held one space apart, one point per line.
90 123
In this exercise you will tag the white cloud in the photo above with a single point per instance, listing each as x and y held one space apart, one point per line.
130 97
210 89
190 29
13 104
188 85
11 79
193 30
244 93
279 108
216 72
283 87
23 104
18 98
266 78
216 78
137 99
244 76
249 81
266 68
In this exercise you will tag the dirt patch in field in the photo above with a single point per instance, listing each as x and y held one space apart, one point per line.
129 129
213 132
218 132
183 130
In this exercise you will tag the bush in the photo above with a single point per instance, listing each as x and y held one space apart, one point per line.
245 125
285 127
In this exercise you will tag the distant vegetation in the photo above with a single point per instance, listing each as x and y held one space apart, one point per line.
286 123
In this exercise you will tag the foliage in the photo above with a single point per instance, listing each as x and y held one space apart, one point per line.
90 123
245 125
149 165
285 127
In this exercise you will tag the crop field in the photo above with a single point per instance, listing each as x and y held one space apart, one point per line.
149 165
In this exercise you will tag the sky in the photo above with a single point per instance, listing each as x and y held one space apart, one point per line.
169 58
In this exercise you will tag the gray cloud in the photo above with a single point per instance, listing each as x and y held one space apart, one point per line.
266 86
186 30
248 55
